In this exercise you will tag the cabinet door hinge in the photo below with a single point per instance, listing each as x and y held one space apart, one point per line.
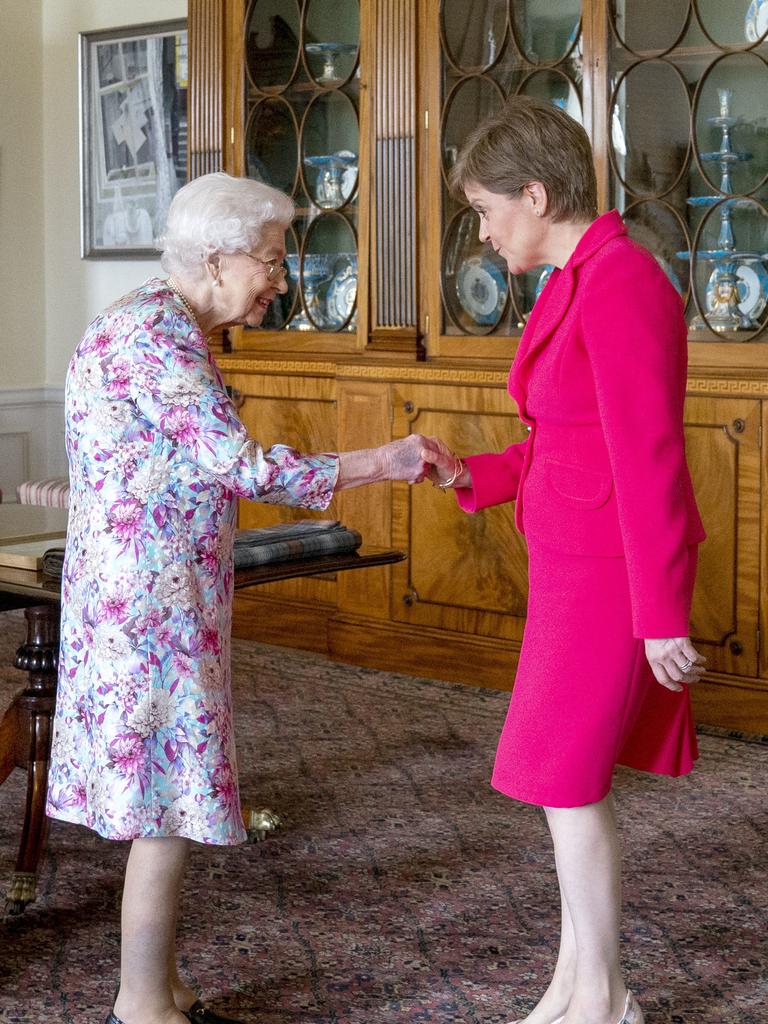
426 326
426 120
232 136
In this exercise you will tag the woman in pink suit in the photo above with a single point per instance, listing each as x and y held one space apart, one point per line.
605 501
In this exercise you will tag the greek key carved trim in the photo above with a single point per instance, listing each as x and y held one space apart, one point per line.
276 366
732 386
425 374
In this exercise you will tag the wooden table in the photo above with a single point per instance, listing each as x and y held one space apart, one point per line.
25 730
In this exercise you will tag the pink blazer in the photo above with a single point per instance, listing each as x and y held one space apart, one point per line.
599 378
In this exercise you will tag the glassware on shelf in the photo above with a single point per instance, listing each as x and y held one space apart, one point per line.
330 52
316 267
730 282
342 291
756 20
334 183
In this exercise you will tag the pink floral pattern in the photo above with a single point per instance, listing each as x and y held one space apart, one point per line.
143 742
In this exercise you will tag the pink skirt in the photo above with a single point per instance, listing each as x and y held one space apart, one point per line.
584 697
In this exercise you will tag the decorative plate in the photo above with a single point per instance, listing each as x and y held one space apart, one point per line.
756 20
341 294
481 289
753 289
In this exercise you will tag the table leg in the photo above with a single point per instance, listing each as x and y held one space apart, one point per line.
33 709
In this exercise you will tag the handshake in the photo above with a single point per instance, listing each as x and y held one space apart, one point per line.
416 458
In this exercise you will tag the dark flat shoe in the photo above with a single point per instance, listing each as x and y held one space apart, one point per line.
112 1019
200 1014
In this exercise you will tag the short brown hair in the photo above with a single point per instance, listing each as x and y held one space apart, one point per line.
531 140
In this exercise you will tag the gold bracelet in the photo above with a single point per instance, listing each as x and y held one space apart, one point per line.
458 469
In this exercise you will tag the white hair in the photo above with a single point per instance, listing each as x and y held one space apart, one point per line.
219 213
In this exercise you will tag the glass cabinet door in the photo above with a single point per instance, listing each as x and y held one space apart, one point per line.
302 135
506 47
688 149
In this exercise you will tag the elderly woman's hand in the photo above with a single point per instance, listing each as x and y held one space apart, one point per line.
403 459
675 661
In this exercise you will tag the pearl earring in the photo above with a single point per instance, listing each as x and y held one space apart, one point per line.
537 212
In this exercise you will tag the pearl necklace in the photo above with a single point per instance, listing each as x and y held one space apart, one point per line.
183 300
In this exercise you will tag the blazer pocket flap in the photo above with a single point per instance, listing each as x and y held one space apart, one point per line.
578 487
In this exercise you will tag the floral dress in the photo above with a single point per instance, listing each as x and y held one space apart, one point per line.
143 742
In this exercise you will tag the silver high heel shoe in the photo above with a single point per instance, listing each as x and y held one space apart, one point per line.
632 1013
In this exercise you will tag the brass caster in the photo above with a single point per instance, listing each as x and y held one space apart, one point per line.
259 823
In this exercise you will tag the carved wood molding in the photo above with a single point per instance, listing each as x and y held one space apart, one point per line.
256 366
362 371
393 263
425 374
206 78
729 386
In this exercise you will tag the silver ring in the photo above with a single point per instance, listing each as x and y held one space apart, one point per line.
687 666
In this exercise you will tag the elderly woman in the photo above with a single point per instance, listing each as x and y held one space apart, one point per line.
143 745
604 498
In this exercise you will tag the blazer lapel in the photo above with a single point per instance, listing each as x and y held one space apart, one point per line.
546 316
553 303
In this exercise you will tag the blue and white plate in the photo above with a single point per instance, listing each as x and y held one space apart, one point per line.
481 289
342 292
756 20
753 289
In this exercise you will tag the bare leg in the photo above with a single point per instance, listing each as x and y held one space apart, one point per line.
153 879
183 995
588 860
554 1002
587 984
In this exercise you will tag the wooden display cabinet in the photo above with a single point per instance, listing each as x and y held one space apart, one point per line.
398 320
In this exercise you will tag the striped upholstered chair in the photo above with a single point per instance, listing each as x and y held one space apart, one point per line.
53 492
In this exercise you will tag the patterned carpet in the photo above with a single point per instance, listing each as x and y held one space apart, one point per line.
402 887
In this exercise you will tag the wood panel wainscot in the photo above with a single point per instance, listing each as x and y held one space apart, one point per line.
456 608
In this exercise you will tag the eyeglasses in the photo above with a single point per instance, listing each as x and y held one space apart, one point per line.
274 267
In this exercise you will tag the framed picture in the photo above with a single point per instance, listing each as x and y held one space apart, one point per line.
133 136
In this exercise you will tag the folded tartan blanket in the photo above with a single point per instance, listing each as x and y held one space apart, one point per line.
308 538
53 562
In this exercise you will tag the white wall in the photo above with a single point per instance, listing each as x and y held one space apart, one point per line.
48 294
77 289
22 246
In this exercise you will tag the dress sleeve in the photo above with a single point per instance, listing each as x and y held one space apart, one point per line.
495 478
177 389
635 336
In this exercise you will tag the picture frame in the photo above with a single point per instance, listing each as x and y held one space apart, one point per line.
133 135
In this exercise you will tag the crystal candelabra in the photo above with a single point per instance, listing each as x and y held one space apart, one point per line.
723 298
